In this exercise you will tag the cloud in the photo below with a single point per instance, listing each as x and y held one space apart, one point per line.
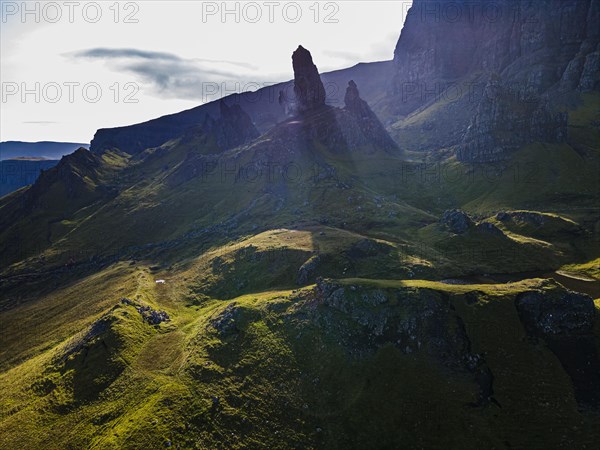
170 75
107 53
343 55
114 53
377 51
384 49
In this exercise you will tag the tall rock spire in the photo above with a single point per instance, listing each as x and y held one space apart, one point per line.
354 103
366 121
309 90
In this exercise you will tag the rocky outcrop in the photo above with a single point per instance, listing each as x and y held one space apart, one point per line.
308 87
233 127
230 128
505 120
456 221
533 43
583 71
564 321
489 228
545 315
356 105
307 271
97 328
533 52
354 128
540 225
78 175
419 322
149 315
152 316
529 217
93 362
369 128
71 171
224 322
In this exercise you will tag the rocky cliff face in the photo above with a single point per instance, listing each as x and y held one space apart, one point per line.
565 323
538 43
505 120
77 172
231 129
427 325
234 126
537 49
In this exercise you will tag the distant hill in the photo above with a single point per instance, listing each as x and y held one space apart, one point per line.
47 150
19 172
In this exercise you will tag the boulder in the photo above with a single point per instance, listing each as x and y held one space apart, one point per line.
307 270
224 322
545 314
489 228
456 221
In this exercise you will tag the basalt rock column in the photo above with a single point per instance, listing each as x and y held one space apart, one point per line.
309 90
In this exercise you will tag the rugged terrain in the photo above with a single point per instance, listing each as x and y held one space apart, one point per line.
369 269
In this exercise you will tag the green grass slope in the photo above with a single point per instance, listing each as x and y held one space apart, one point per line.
347 364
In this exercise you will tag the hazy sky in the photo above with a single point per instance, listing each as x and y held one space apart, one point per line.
69 68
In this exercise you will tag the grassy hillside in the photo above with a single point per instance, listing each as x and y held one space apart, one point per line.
283 368
310 288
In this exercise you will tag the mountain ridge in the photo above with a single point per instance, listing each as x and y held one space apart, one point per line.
47 149
267 96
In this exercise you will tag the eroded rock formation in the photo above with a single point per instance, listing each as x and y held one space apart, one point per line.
308 87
